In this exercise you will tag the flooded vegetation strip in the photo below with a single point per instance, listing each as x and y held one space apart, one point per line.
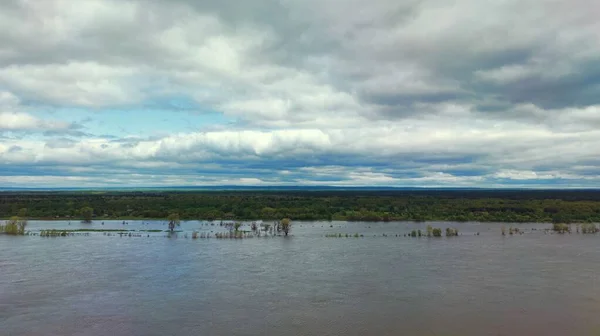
16 226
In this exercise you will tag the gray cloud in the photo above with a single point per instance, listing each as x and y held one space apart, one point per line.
383 91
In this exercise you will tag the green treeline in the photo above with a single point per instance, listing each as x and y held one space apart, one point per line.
503 206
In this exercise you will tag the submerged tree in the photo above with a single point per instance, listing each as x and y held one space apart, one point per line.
589 228
237 226
87 213
173 221
267 228
286 225
451 232
14 226
561 228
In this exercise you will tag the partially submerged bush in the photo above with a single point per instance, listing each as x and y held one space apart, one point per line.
451 232
589 228
561 228
286 225
14 226
437 232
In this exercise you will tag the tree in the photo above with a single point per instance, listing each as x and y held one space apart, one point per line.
286 225
14 226
22 212
87 213
173 221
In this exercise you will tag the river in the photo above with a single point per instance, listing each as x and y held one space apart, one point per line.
534 283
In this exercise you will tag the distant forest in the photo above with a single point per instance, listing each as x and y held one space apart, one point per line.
562 206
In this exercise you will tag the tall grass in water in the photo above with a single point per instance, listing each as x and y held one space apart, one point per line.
54 233
14 226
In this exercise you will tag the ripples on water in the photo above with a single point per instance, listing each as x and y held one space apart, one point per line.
530 284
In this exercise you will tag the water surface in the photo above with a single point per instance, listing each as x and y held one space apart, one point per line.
530 284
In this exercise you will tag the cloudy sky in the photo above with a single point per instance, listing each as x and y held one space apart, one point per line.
300 92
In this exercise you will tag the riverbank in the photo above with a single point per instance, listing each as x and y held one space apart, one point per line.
368 206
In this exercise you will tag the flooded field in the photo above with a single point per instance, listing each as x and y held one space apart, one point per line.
381 283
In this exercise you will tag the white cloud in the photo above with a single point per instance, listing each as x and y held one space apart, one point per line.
364 92
19 121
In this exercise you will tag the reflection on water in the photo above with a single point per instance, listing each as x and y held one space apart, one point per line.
530 284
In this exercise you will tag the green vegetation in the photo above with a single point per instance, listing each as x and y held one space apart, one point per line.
589 228
286 225
14 226
437 232
421 205
560 228
451 232
339 235
87 213
54 233
233 235
101 230
173 221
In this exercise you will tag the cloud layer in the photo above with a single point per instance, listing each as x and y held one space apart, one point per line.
409 93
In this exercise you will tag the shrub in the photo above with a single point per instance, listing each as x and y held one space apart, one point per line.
14 226
450 232
561 227
437 232
589 228
286 225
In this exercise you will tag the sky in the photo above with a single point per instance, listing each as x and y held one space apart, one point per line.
430 93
